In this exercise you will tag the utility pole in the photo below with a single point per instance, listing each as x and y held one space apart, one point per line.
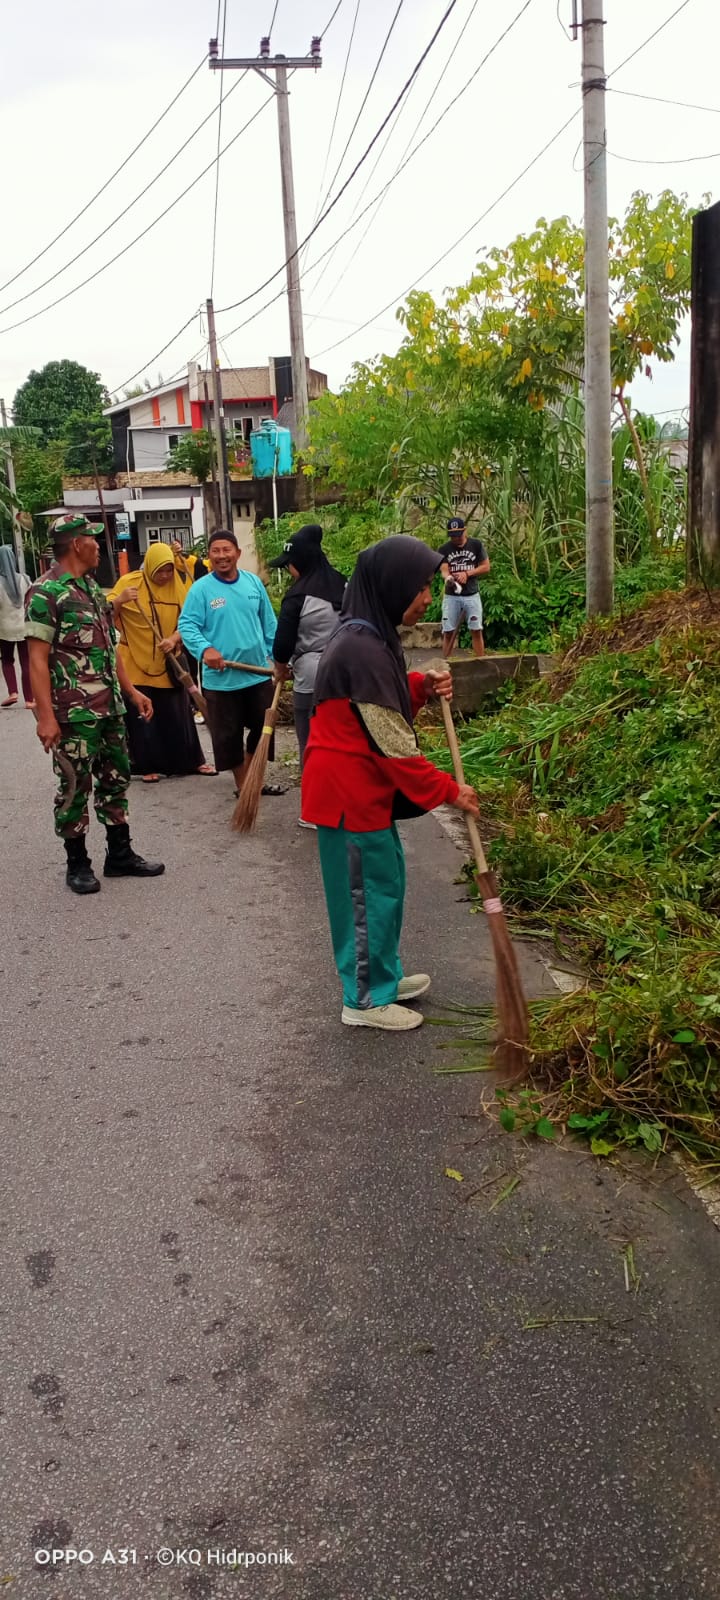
213 464
106 524
265 64
219 423
703 528
10 469
599 545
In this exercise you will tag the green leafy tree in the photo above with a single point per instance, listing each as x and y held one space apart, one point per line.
88 444
48 398
482 387
194 454
38 474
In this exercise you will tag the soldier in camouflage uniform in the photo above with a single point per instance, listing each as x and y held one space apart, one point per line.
78 686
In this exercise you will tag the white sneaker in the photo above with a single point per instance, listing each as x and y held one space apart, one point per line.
412 988
395 1019
303 824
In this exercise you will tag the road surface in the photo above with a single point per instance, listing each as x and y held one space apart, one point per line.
243 1307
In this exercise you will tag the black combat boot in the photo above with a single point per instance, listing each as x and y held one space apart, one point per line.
80 876
121 860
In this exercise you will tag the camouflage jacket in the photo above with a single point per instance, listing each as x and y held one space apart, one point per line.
73 617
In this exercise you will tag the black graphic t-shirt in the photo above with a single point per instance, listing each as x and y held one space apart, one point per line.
462 558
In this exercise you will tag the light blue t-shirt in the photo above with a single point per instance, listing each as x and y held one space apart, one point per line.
235 618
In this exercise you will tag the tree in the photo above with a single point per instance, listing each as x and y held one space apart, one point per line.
193 454
486 373
48 398
38 474
88 444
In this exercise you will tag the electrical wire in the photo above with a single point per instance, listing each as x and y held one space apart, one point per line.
145 231
436 124
672 161
133 375
110 225
449 9
381 153
651 36
438 262
506 191
217 156
337 108
272 19
107 182
331 20
686 105
363 103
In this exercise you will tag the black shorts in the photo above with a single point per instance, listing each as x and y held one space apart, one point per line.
232 712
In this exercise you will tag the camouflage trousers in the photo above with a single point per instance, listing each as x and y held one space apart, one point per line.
96 748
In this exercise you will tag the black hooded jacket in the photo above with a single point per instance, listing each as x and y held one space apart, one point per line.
308 614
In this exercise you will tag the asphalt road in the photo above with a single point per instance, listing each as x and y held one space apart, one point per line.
242 1306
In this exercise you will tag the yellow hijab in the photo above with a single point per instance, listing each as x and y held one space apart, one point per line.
158 604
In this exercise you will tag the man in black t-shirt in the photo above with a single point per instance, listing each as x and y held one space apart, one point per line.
465 560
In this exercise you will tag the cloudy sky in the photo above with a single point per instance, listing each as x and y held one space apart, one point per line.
84 80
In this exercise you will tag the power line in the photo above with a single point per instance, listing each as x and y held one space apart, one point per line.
686 105
500 197
217 156
436 124
364 101
133 375
450 8
332 247
108 181
381 153
110 225
145 231
331 20
650 37
397 298
671 161
337 108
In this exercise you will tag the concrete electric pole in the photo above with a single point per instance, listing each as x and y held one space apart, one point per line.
218 422
278 65
10 470
600 557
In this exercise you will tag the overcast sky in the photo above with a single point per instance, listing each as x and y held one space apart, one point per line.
83 80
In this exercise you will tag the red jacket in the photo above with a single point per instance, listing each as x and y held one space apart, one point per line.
347 784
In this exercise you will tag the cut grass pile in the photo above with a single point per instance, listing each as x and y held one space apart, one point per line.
601 786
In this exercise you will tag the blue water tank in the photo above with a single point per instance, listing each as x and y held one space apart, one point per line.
271 450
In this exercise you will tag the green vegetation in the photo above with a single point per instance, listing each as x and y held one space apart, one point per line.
49 398
602 787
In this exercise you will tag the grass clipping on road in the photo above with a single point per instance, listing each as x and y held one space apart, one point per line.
602 787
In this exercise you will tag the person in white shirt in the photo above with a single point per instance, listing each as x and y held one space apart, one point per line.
13 589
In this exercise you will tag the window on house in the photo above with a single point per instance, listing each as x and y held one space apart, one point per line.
173 439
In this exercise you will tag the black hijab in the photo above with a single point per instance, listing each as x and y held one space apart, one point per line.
363 661
316 576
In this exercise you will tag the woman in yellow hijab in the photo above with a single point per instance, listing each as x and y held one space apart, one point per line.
147 605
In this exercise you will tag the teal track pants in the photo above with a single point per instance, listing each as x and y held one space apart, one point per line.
364 881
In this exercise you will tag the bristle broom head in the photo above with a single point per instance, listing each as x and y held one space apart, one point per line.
245 815
512 1056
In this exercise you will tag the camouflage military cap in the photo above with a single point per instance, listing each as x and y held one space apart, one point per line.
73 526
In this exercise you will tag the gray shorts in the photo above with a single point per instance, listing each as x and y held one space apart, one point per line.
457 607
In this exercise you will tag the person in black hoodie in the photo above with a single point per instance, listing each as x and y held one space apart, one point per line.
308 616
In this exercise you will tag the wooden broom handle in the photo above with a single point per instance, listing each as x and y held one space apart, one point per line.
240 666
244 666
470 823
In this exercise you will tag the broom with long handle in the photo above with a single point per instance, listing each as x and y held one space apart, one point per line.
177 671
511 1051
246 811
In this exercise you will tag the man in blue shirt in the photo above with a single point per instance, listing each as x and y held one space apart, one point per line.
227 616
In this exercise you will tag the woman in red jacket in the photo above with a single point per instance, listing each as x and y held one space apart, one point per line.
363 769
